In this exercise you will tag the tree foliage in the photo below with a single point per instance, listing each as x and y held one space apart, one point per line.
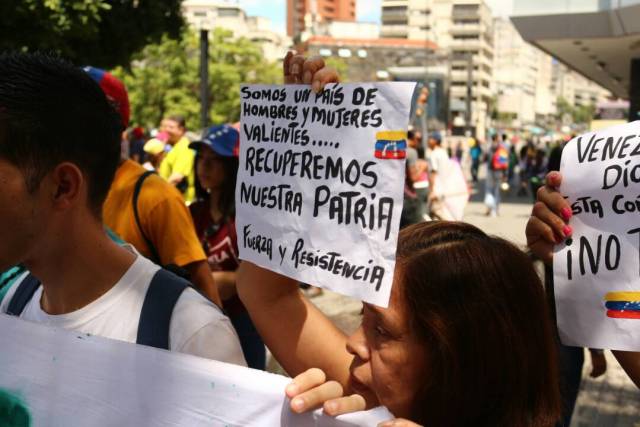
103 33
578 113
164 78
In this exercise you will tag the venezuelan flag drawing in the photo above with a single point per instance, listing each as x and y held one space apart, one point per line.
623 305
391 144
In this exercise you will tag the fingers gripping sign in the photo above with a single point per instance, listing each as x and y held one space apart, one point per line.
300 70
548 224
311 390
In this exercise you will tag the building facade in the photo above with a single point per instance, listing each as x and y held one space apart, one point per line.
304 14
211 14
523 78
575 88
463 32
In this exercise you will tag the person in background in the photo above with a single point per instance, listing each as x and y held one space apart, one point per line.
438 161
178 166
415 141
497 165
475 152
513 162
136 144
154 153
214 217
537 171
162 230
527 154
415 191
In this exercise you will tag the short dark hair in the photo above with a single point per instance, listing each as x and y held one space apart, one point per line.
180 120
477 304
52 112
411 134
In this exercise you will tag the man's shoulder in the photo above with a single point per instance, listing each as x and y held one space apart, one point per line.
156 188
193 312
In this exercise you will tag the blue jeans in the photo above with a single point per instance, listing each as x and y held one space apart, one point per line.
492 190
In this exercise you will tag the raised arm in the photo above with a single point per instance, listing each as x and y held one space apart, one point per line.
298 334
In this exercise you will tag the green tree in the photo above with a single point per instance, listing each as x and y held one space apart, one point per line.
579 114
164 78
340 66
103 33
563 108
584 113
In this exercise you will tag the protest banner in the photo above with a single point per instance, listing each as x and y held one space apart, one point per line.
61 378
597 270
320 184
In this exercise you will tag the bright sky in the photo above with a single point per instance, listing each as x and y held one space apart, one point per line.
367 10
501 7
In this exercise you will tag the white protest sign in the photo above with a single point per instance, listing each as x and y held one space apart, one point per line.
597 271
69 379
320 184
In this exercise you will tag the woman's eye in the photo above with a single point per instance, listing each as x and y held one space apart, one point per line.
380 331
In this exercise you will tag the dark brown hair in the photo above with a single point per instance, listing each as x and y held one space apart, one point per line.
53 112
478 305
180 120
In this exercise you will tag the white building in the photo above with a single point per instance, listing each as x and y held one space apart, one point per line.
461 29
522 75
222 14
406 19
575 88
342 30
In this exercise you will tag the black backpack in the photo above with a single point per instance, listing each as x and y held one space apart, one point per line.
155 257
155 318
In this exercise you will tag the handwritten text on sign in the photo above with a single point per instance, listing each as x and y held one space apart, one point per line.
320 184
597 271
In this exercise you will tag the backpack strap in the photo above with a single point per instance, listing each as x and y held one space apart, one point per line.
155 318
136 193
23 294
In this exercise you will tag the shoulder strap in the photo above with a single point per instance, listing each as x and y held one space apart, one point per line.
136 193
155 317
23 295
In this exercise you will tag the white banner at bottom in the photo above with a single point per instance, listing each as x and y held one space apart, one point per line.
69 379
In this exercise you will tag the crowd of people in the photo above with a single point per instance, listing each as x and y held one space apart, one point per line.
94 240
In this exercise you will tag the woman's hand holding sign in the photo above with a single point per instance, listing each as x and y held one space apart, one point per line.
311 390
300 70
548 226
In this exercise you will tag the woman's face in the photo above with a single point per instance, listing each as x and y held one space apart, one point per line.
389 361
209 169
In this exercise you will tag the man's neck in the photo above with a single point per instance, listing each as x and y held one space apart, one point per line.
173 143
79 268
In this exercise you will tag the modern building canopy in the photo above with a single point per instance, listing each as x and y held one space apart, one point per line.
597 38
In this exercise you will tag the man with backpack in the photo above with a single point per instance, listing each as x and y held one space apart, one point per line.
497 168
148 212
71 274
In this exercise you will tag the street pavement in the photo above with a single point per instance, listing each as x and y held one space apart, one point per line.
609 401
